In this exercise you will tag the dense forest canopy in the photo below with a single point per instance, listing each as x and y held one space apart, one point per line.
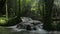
42 10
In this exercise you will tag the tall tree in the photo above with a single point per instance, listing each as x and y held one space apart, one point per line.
48 4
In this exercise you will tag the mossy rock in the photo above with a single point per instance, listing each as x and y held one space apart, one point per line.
3 20
9 22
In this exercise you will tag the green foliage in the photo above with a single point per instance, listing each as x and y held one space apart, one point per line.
10 21
11 10
27 8
3 20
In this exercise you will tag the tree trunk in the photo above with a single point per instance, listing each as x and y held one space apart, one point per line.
47 14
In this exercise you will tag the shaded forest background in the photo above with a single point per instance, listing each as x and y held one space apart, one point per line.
42 10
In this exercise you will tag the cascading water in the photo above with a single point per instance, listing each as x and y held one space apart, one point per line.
17 28
28 21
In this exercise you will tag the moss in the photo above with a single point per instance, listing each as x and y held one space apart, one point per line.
9 22
3 20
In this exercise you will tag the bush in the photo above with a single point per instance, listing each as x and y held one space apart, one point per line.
10 22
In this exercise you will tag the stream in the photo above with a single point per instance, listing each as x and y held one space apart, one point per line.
14 30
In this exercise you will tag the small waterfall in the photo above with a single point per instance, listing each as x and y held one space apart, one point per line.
39 30
38 27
